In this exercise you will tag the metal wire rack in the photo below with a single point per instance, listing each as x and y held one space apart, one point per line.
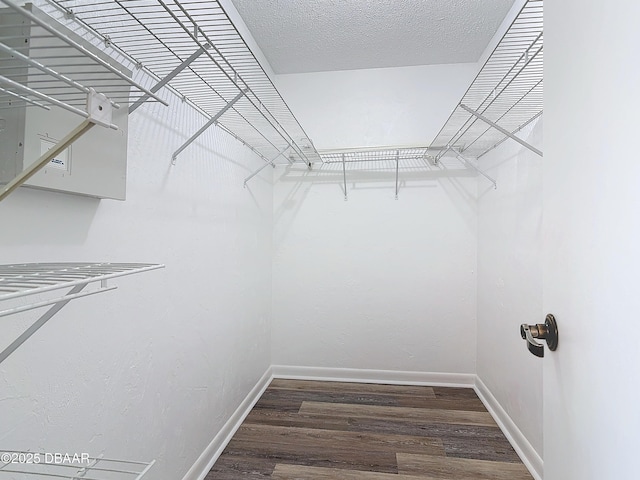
23 465
45 64
194 47
407 159
32 279
506 95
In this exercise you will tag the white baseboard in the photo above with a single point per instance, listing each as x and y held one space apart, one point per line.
374 376
521 445
205 461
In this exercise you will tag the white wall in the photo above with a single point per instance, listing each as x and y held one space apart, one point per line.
510 280
375 283
375 107
154 369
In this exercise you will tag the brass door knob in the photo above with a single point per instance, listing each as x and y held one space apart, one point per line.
545 331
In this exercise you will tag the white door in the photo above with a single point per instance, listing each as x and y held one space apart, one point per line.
592 239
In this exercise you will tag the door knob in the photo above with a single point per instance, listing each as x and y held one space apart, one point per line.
545 331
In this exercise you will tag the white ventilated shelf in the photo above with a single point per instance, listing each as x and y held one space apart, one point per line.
374 154
29 280
23 279
194 47
46 64
23 465
382 162
506 95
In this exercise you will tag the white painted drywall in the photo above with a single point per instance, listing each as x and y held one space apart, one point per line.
375 283
510 280
154 369
375 107
591 239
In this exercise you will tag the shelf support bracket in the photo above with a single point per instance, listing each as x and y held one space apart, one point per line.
213 120
270 162
467 162
40 322
32 169
344 174
167 79
397 168
500 129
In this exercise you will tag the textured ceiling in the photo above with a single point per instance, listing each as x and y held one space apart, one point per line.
319 35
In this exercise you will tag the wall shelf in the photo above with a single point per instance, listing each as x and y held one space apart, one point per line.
19 465
43 64
194 47
505 96
29 280
387 163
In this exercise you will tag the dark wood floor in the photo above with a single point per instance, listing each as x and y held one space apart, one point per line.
303 430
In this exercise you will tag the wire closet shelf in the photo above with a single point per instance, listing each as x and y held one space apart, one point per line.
25 279
505 96
23 465
44 63
194 47
35 281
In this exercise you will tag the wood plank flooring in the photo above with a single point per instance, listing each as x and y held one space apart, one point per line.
307 430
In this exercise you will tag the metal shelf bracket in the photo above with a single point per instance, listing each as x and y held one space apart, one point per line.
174 73
271 162
468 163
24 280
500 129
206 126
397 170
344 174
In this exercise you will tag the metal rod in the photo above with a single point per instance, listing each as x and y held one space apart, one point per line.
256 172
146 469
397 168
468 163
344 174
167 79
77 46
44 97
266 165
38 323
43 68
536 116
49 475
83 472
213 120
501 130
45 158
24 99
44 303
234 79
